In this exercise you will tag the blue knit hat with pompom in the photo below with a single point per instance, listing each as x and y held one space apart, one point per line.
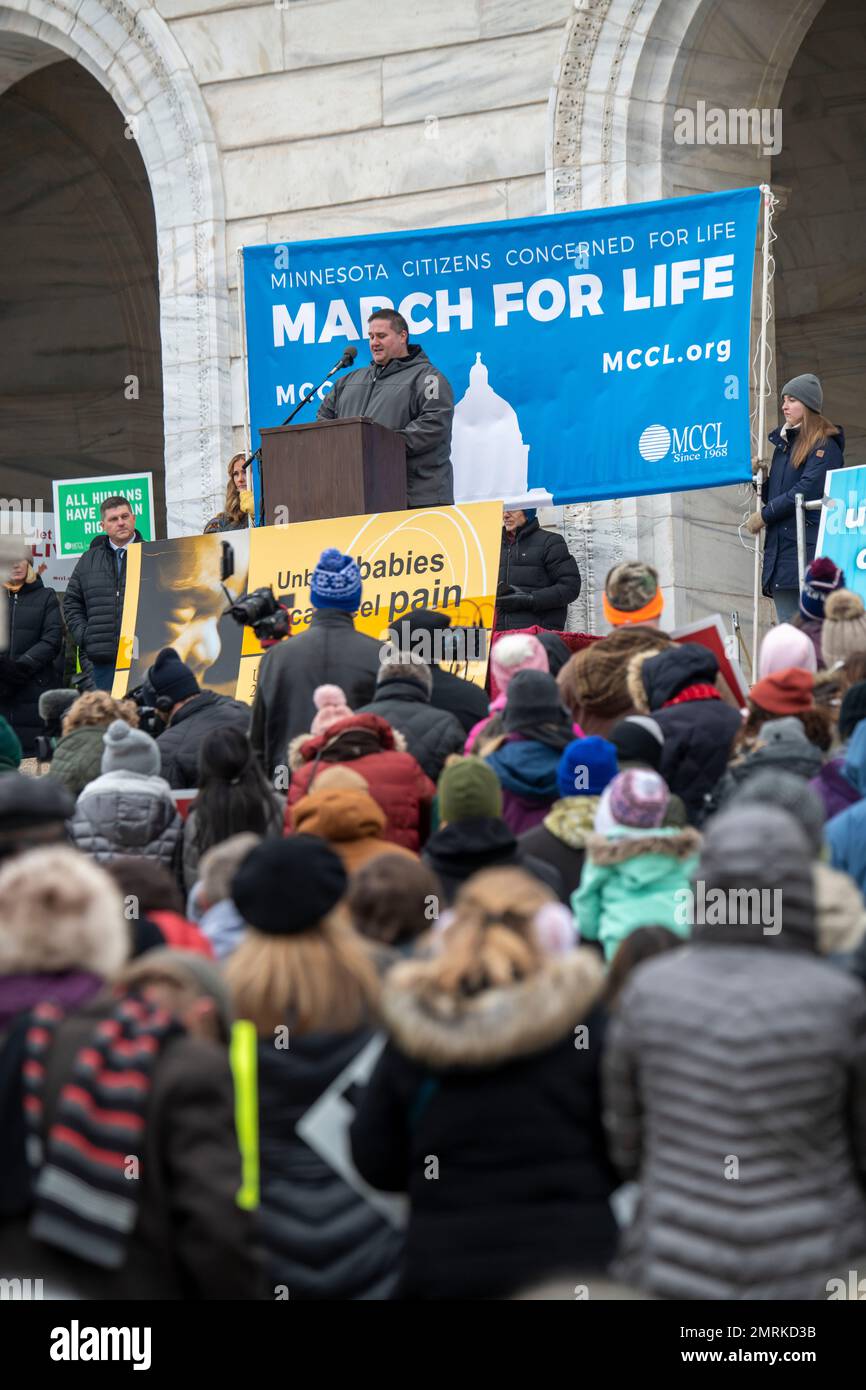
336 582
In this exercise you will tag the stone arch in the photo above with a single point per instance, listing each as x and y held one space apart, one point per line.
130 51
625 67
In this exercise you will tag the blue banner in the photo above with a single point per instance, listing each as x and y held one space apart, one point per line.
591 354
842 532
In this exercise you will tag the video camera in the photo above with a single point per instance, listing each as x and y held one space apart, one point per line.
153 709
267 615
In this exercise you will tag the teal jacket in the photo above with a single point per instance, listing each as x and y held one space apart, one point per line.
630 879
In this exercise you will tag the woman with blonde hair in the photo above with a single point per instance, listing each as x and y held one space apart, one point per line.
484 1106
309 984
238 504
806 446
78 756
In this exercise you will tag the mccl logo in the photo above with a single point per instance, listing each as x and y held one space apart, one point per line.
693 441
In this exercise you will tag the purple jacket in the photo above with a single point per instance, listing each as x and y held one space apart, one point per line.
834 788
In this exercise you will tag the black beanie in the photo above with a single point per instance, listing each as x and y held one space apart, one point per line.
533 698
172 677
284 887
638 739
852 710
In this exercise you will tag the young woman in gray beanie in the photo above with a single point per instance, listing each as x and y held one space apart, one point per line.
804 448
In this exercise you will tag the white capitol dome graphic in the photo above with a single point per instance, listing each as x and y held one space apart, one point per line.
488 454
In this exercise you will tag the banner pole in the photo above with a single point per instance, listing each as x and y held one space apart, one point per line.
767 194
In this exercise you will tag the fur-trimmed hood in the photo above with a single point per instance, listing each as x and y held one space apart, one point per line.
305 747
442 1030
653 678
59 912
572 819
632 844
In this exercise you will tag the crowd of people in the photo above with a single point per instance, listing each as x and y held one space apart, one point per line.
433 992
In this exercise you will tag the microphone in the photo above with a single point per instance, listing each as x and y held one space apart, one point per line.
348 357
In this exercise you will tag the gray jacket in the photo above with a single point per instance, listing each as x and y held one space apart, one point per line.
735 1093
411 396
127 813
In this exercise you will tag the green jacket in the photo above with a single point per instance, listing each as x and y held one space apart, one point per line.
630 879
78 757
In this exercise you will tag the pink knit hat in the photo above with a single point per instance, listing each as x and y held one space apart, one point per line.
785 646
331 705
517 651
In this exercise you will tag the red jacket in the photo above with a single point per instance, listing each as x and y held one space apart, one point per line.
369 745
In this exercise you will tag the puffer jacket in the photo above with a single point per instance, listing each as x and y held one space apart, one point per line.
371 747
698 730
127 813
411 396
735 1090
78 758
495 1087
779 511
323 1238
431 734
179 744
538 563
93 602
351 821
332 652
631 879
780 745
35 648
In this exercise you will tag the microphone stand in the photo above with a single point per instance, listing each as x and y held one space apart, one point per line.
338 367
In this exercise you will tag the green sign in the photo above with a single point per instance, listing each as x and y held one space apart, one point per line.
76 508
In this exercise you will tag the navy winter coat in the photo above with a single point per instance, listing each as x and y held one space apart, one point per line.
785 481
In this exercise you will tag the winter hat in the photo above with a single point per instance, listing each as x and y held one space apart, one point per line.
785 646
32 803
806 388
60 911
125 749
784 743
557 651
759 846
518 651
632 594
341 778
530 513
784 789
661 676
638 739
586 767
852 710
822 578
284 887
331 705
336 582
10 747
172 677
469 789
533 698
638 798
784 692
844 630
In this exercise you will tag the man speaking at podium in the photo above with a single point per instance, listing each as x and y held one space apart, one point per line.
402 390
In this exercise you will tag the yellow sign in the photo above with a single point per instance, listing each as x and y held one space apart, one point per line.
445 558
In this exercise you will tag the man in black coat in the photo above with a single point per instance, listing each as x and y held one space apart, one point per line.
423 631
192 714
330 652
538 577
403 390
93 604
402 698
33 661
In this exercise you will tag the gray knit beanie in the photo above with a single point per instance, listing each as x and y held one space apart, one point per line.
777 788
806 388
130 750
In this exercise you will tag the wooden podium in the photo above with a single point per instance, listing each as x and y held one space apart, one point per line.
331 468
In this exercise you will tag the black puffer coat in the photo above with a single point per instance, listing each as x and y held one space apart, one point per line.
180 743
93 603
323 1239
456 852
497 1090
430 734
33 662
411 396
539 563
698 733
